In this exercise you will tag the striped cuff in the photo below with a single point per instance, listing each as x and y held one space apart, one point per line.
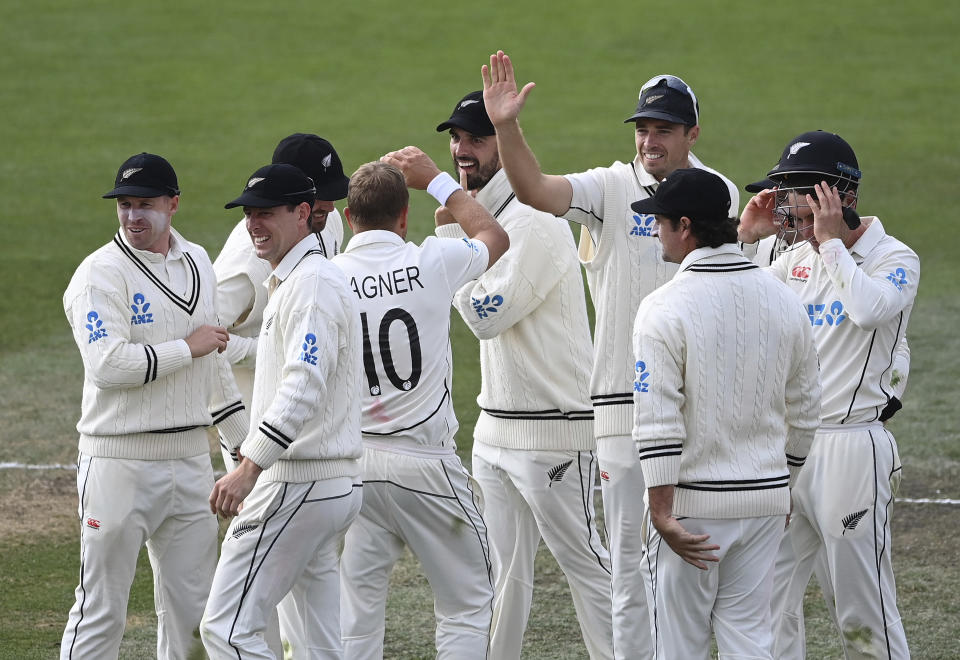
265 445
233 422
660 462
163 359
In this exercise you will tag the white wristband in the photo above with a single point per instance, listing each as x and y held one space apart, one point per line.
442 186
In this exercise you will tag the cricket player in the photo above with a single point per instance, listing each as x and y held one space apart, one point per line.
727 400
417 493
242 297
298 478
763 253
623 264
857 285
533 450
143 313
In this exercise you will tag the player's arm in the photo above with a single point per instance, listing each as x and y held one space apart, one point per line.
100 320
518 284
547 192
898 380
235 299
869 299
421 173
311 340
802 396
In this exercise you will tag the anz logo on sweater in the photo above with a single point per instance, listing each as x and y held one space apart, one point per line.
487 306
643 225
309 352
640 383
140 313
899 278
821 314
95 326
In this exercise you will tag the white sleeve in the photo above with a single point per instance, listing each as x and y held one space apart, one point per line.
871 299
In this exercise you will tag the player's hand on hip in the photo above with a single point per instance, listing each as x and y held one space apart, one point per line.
417 167
500 96
207 339
692 548
757 220
232 489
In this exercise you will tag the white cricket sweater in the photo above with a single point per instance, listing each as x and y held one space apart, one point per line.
726 390
529 312
144 396
623 263
858 303
242 297
305 415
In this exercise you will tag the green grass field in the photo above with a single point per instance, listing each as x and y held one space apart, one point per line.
214 86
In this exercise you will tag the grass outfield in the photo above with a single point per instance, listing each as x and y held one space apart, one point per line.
214 86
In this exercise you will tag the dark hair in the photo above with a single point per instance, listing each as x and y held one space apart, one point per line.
710 234
377 195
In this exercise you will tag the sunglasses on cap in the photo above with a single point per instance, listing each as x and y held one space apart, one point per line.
676 84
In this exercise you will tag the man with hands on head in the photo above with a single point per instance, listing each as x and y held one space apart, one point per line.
727 400
533 450
298 478
143 313
857 285
417 493
623 264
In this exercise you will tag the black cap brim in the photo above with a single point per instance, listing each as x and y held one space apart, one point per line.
333 191
648 206
471 128
759 186
138 191
665 116
254 200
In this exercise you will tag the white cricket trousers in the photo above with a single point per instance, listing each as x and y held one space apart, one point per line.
732 597
842 505
624 510
125 503
287 538
528 494
426 503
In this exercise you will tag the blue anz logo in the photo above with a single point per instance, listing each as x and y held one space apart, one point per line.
643 225
487 306
473 246
95 326
140 313
309 352
640 383
821 313
899 278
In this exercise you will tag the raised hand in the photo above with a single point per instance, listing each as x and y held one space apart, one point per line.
500 95
757 220
417 167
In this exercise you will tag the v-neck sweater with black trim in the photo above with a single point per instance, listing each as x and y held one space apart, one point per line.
144 396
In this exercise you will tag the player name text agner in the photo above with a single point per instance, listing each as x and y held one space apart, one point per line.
390 283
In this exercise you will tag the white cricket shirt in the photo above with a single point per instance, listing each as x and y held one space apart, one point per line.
404 293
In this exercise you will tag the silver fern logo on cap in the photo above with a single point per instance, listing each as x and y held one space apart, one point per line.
130 172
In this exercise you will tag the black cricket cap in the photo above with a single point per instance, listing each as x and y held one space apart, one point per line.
668 98
318 160
697 194
276 185
470 114
818 153
145 175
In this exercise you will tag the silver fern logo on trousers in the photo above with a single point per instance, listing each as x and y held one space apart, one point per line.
557 471
851 521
